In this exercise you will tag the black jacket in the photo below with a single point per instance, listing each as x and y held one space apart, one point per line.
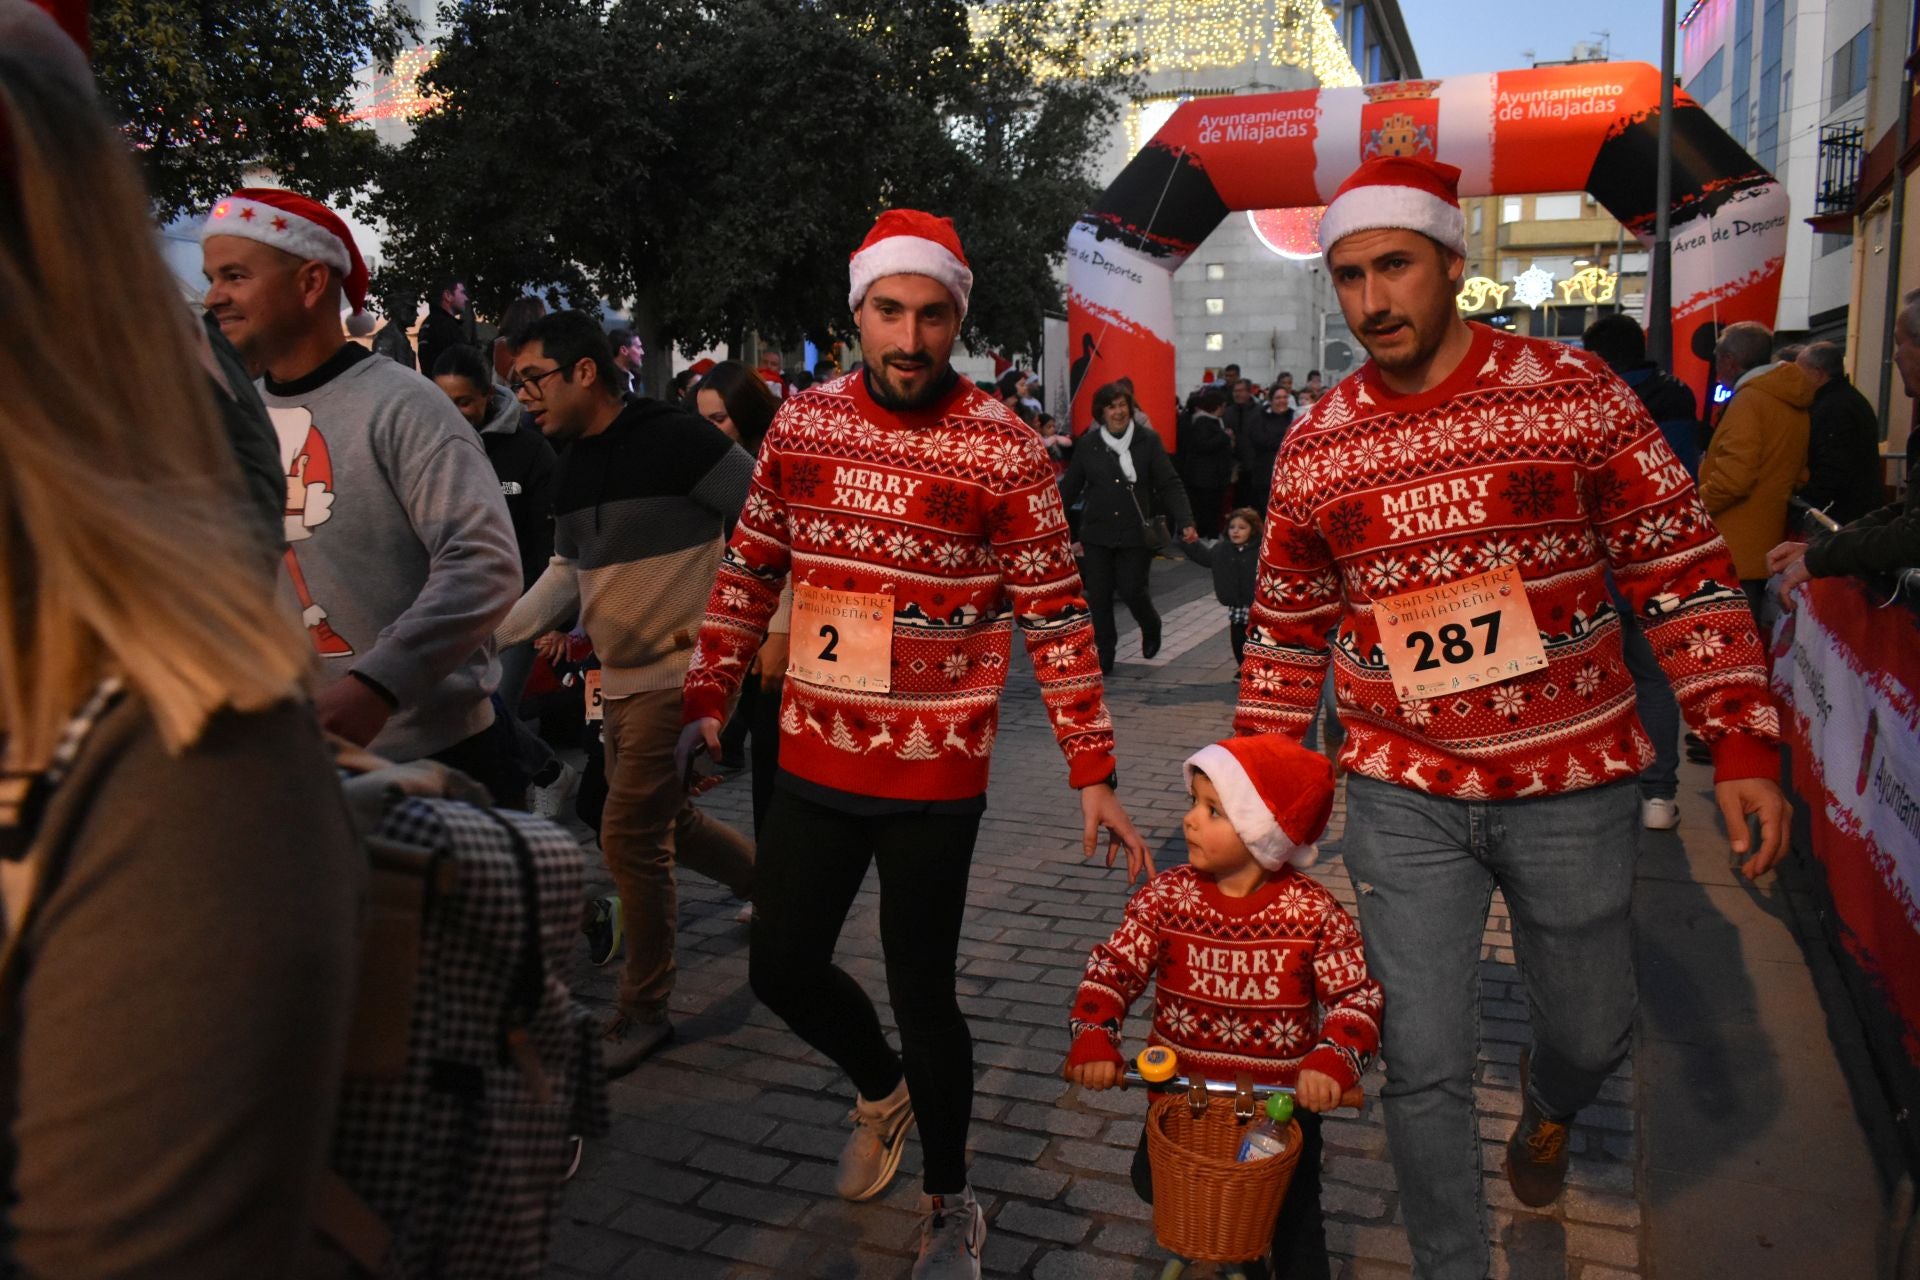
1238 417
1109 517
526 465
1234 568
1883 541
440 330
1259 443
1207 450
1843 453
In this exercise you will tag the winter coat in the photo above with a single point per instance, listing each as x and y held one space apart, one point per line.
1843 453
1671 406
1234 568
526 465
1238 417
440 330
1882 541
1109 517
1208 452
1757 459
1259 443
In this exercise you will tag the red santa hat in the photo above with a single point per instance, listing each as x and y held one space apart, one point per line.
1277 794
907 242
291 222
1404 193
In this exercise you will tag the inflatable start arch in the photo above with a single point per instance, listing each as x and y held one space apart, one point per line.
1592 127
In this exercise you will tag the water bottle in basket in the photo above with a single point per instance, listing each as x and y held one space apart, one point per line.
1268 1138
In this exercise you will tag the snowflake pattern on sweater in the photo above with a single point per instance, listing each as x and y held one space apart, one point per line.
955 512
1531 454
1267 984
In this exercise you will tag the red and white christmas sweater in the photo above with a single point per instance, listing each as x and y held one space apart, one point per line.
1267 984
1530 454
953 509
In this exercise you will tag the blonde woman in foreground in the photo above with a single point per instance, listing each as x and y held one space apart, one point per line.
179 877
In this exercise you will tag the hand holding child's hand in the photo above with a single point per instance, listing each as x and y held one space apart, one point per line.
1099 1075
1316 1091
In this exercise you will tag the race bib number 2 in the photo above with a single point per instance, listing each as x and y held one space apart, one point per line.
1477 631
842 639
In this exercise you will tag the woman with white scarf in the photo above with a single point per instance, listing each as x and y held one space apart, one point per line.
1128 486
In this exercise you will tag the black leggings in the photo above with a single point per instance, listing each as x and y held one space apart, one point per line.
1300 1233
811 863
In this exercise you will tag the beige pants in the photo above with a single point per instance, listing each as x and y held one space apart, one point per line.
648 822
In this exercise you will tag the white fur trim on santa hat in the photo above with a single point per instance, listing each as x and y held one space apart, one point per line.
909 256
253 220
1380 207
1269 844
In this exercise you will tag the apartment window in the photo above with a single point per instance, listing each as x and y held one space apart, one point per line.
1511 267
1709 79
1847 71
1216 271
1558 208
1479 218
1633 264
1773 82
1832 242
1510 210
1216 306
1216 342
1558 267
1737 111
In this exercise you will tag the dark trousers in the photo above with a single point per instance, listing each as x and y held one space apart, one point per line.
491 758
811 862
1237 637
1300 1232
1209 505
762 706
1109 572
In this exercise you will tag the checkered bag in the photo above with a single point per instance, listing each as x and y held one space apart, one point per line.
456 1132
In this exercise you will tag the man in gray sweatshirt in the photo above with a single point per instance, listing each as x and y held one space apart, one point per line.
401 556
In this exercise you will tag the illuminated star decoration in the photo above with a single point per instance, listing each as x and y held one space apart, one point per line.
1532 287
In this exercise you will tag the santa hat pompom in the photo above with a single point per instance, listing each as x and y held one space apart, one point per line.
1277 794
1402 193
291 222
907 242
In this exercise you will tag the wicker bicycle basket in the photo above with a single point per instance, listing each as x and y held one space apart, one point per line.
1207 1206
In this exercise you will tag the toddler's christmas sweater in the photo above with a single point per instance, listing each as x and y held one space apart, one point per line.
953 510
1267 984
1530 454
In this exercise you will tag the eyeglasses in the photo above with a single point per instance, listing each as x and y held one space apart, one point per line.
530 385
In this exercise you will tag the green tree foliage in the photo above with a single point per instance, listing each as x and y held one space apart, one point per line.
208 89
715 164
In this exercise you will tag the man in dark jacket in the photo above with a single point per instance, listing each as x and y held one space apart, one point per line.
1843 441
1622 343
1259 444
1207 448
521 456
444 326
1880 542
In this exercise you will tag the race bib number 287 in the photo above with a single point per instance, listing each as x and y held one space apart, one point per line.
1477 631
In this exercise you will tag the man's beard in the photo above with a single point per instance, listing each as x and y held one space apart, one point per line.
1406 357
887 396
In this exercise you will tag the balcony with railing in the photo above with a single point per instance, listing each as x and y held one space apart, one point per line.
1841 149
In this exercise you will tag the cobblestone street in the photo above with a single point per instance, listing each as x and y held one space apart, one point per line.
720 1158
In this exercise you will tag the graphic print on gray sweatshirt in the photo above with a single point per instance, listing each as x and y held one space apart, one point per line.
400 556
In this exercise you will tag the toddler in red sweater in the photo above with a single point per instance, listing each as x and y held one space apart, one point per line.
1257 970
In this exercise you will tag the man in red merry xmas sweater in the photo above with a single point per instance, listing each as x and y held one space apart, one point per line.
1452 507
920 522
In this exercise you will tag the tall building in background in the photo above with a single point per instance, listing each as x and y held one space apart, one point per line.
1762 69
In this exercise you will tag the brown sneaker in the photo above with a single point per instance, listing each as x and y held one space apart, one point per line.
1537 1151
628 1039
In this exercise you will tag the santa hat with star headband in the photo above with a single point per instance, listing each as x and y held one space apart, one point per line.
907 242
304 228
1277 794
1400 193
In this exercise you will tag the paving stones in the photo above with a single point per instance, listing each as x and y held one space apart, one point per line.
721 1160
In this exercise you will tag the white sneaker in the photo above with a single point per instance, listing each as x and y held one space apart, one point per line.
951 1238
551 801
872 1154
1657 813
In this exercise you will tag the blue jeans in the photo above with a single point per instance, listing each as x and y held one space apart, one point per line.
1425 870
1659 711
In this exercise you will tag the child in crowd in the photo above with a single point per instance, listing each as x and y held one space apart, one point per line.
1233 560
1256 968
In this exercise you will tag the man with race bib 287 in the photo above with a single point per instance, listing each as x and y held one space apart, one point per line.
920 523
1452 507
